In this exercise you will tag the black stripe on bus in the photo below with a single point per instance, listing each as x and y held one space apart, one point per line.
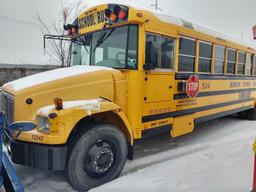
212 93
185 76
221 114
156 130
190 111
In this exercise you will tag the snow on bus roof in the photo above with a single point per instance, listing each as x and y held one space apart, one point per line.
182 22
166 17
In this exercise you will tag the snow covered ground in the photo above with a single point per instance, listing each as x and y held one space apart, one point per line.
216 157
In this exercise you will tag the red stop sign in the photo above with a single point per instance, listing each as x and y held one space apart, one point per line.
192 87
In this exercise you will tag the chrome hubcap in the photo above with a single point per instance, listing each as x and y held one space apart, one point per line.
99 159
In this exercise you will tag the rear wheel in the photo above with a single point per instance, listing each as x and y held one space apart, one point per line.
241 115
248 114
97 157
251 114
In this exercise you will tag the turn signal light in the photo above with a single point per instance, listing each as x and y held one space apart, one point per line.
58 103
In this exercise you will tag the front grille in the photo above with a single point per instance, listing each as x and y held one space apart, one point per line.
7 105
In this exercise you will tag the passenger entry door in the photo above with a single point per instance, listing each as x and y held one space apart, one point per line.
159 82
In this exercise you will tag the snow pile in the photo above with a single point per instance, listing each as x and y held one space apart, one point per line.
88 105
216 157
221 165
52 75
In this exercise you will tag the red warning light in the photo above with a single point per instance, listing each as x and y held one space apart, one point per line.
72 29
122 14
116 13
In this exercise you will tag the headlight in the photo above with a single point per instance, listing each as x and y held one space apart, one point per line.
43 124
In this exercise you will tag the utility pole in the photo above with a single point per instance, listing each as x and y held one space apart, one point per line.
254 32
155 5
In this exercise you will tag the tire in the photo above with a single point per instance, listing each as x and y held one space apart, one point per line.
97 157
241 115
251 114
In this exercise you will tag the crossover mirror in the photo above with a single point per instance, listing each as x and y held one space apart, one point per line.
22 126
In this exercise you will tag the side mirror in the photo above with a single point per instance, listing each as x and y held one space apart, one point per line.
22 126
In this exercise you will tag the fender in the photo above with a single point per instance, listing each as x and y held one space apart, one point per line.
63 121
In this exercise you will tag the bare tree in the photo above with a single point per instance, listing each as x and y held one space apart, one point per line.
58 50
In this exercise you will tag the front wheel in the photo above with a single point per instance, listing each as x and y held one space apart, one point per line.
97 157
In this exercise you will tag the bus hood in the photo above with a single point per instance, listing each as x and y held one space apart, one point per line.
69 84
49 76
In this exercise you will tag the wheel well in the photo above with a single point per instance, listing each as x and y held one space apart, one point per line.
109 117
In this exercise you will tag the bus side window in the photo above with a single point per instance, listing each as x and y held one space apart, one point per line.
231 63
152 49
241 62
167 53
187 54
219 59
159 51
205 57
249 63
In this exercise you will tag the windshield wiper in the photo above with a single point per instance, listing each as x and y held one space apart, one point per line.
103 37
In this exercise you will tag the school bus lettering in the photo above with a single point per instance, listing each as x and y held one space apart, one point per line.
246 84
92 19
235 84
244 95
184 103
160 110
139 75
163 122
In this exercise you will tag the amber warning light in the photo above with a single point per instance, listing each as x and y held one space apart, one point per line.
58 104
254 32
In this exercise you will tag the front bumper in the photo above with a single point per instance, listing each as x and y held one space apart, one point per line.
46 157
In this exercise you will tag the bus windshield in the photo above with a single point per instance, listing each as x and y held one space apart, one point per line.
114 47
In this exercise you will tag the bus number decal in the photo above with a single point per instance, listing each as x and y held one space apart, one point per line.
246 84
206 86
38 137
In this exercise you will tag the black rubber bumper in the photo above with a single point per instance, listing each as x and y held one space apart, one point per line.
38 156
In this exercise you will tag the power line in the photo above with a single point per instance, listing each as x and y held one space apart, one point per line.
18 21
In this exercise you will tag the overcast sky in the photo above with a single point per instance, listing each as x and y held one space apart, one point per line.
21 40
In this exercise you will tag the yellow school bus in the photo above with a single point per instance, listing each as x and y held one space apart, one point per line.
133 74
